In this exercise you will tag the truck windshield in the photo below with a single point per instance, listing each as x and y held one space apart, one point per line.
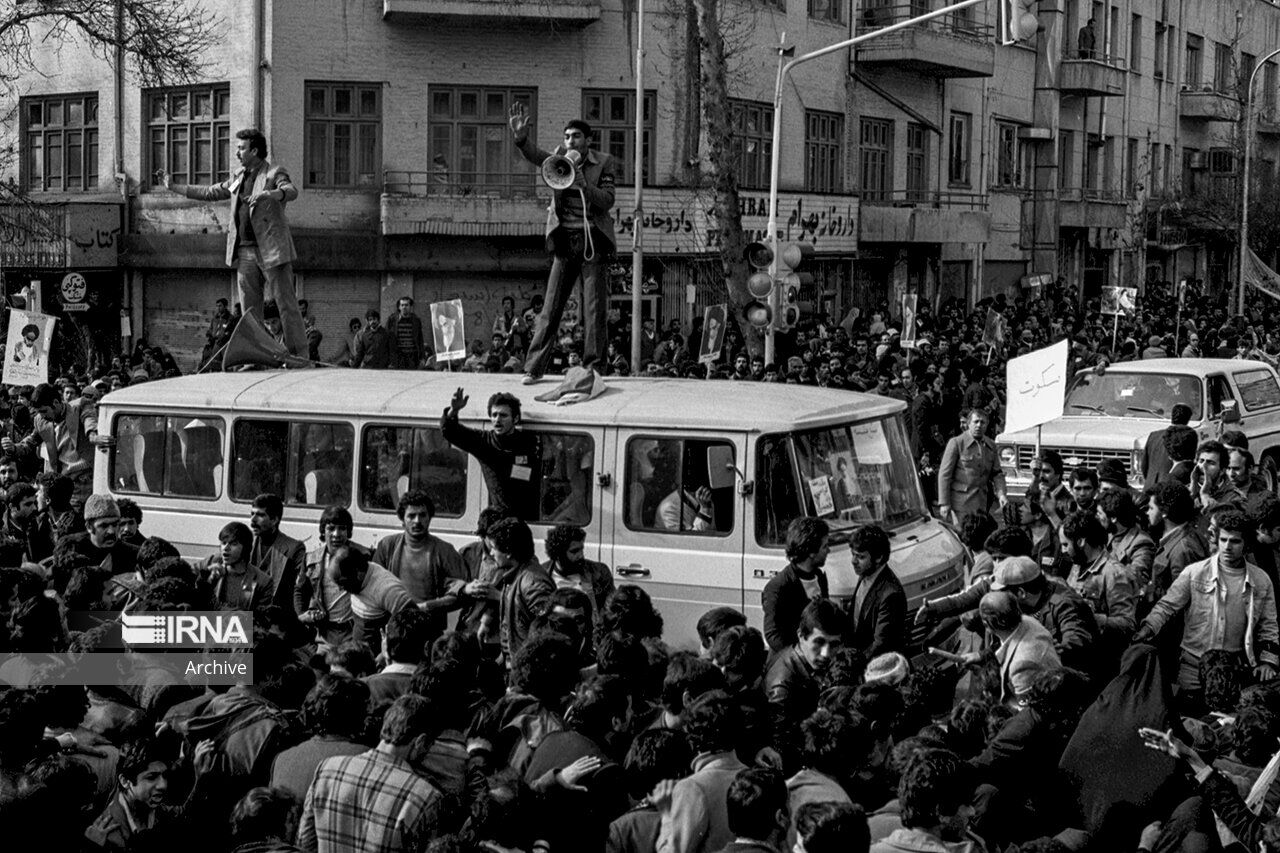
1133 395
849 475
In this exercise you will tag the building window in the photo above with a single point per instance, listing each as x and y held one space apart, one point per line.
1092 160
917 162
753 142
959 153
1131 178
827 10
1066 159
471 146
875 151
1011 156
1171 55
1192 164
1222 161
1157 69
1153 168
1135 44
60 133
1194 61
343 134
823 151
189 134
1247 63
1269 91
612 116
1222 68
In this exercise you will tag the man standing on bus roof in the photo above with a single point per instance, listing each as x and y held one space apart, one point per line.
509 457
970 472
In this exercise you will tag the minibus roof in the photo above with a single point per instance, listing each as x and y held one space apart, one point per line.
419 395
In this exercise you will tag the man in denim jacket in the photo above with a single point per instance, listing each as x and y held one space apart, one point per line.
1229 604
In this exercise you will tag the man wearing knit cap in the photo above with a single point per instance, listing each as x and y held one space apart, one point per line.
64 436
100 544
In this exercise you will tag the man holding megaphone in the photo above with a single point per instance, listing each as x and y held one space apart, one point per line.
579 235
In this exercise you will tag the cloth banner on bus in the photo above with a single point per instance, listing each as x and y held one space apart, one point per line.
447 331
1259 276
1036 384
909 320
713 320
26 352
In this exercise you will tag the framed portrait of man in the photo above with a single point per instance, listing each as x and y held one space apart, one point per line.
713 320
447 333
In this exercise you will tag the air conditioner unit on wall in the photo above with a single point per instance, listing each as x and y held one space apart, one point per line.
1199 160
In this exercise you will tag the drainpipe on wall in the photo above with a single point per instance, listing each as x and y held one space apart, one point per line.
122 177
259 59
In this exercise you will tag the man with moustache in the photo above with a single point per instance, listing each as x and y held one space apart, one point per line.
281 556
428 566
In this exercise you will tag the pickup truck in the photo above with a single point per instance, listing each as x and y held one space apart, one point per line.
1110 412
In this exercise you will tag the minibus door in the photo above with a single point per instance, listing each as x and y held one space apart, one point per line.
678 522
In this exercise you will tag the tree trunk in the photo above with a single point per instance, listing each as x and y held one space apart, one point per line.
721 168
692 114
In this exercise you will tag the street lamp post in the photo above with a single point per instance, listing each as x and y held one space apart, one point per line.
1247 122
776 158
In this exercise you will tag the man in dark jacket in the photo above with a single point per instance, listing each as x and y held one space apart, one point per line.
792 679
580 785
1156 463
802 581
1171 513
281 556
1053 604
373 344
526 587
509 457
428 566
877 612
404 330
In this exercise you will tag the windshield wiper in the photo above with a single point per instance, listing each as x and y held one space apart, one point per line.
1097 409
1156 412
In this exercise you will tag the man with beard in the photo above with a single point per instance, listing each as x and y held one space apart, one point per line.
9 473
1108 587
570 569
1240 472
1210 485
1170 513
509 457
24 524
789 591
100 544
281 556
1055 498
1129 545
428 566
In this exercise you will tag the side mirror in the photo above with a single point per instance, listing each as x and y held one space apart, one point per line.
1230 412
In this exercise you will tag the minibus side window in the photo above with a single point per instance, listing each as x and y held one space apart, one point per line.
670 480
564 493
307 463
395 459
176 456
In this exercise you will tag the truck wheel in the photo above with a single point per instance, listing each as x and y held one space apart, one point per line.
1271 470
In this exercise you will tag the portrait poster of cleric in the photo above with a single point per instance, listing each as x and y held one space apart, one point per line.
712 333
26 352
447 333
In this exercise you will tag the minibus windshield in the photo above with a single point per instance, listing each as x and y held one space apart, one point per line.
849 475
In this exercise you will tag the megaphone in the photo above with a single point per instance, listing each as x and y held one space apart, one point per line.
251 344
558 170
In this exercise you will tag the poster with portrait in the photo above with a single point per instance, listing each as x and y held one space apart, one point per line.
26 352
713 320
447 333
909 320
1121 301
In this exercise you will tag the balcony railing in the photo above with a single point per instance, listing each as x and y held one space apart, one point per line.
458 184
1111 59
925 198
1094 194
958 24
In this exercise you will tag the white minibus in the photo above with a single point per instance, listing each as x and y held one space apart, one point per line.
194 451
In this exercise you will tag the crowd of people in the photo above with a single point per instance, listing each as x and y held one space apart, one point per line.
1103 680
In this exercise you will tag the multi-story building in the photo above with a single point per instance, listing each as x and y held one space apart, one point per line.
933 160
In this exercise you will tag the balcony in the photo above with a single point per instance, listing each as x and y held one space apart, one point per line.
924 216
1096 76
564 13
1207 105
952 46
1089 207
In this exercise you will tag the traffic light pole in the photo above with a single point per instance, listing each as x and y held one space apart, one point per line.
784 68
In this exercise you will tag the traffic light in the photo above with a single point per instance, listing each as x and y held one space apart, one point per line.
792 274
1020 20
759 285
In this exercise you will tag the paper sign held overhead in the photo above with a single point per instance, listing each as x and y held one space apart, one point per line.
1037 384
26 352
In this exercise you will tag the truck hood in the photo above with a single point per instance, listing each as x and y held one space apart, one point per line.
1074 431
